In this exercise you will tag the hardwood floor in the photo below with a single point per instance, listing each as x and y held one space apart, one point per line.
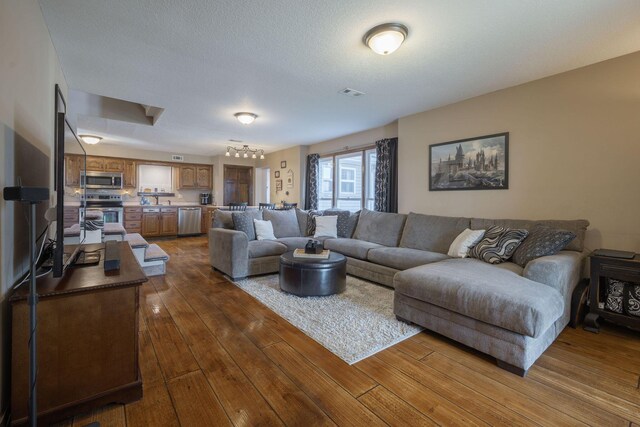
211 355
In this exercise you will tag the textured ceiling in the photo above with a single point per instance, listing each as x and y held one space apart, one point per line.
285 60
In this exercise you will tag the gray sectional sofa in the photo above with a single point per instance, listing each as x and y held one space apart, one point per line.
505 310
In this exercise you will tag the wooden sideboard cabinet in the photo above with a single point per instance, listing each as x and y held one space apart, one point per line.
87 340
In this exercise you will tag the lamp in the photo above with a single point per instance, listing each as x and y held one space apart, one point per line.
245 150
386 38
245 118
90 139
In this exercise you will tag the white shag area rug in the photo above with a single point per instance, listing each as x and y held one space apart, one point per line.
352 325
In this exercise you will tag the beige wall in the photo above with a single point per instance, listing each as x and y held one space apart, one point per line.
296 158
574 152
355 140
29 70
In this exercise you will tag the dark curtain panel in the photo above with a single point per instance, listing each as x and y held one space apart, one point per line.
386 197
313 170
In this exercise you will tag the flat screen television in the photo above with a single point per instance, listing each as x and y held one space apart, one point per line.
66 142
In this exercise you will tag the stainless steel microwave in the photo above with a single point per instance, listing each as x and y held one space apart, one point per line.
101 180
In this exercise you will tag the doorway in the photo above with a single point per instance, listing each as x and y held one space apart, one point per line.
238 184
263 189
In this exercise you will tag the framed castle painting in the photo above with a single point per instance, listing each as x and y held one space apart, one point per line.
480 163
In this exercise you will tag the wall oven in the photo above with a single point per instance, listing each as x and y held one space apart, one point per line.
101 180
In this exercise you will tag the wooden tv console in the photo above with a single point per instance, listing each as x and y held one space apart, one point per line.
87 340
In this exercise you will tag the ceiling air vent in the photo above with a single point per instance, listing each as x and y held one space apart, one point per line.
350 92
177 158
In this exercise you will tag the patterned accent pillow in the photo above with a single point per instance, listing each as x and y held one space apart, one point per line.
542 241
311 222
615 292
632 299
498 244
243 221
343 220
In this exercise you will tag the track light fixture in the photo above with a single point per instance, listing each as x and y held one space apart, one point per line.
245 150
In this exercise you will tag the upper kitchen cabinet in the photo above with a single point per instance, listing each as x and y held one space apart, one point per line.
194 177
203 174
129 175
187 177
95 163
113 165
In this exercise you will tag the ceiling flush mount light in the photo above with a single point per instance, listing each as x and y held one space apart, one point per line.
386 38
90 139
245 118
246 151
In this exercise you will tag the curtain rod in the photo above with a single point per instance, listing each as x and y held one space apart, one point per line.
347 149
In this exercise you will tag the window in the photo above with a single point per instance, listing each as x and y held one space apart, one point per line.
347 181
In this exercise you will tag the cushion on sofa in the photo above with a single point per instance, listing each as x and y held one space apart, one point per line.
382 228
403 258
576 226
243 221
343 220
498 244
293 243
483 292
432 233
352 223
542 241
262 248
285 223
351 247
222 219
303 220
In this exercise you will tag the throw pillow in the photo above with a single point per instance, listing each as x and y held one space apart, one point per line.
542 241
615 296
326 226
311 223
243 221
465 240
343 220
264 229
498 244
352 224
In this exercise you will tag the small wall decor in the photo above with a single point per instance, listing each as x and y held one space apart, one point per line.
278 185
289 178
277 174
283 164
480 163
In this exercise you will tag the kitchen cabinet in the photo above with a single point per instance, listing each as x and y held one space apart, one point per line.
72 168
187 177
129 176
207 219
169 222
157 221
195 177
203 179
95 163
151 222
133 219
113 165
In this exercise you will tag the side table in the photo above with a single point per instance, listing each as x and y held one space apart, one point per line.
603 268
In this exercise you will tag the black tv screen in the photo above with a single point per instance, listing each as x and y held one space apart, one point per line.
66 142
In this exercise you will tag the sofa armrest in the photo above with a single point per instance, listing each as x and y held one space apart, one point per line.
229 252
561 271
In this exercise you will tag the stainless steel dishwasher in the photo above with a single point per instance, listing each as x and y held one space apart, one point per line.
189 221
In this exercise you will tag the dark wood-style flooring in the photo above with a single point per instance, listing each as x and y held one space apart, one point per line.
211 355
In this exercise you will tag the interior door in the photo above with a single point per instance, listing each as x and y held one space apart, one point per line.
238 184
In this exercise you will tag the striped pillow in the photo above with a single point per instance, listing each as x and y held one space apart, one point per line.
498 244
